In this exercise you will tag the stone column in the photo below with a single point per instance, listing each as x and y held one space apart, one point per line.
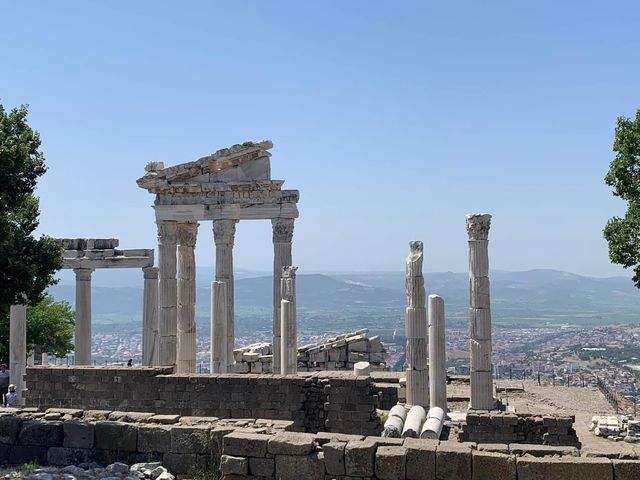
167 293
186 340
288 325
282 235
17 347
437 354
150 317
83 316
219 321
416 330
224 232
480 312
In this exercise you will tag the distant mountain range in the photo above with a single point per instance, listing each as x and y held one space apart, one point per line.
518 298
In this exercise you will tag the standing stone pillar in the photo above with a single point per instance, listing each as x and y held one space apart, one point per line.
224 232
416 330
17 347
288 325
186 338
150 317
480 312
83 316
282 236
437 354
219 322
167 293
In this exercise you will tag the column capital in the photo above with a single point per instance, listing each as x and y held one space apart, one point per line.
150 272
167 232
224 231
282 229
83 273
478 225
187 233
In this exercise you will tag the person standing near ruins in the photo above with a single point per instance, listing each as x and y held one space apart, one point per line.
10 400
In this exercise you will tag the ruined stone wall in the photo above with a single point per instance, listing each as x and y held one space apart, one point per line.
322 401
519 427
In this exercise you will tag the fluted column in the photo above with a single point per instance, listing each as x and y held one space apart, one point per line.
282 236
288 324
186 340
416 330
224 232
150 317
437 354
83 316
219 361
17 347
167 293
480 312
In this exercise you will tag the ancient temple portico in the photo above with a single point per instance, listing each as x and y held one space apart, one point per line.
225 187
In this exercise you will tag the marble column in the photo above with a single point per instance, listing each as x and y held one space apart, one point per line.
437 354
480 312
219 321
224 232
186 331
17 347
150 317
83 316
282 236
416 330
288 324
167 292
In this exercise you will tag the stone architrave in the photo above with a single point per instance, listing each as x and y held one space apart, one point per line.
219 362
416 329
150 317
17 347
83 316
282 237
288 326
224 232
480 312
186 323
437 354
167 292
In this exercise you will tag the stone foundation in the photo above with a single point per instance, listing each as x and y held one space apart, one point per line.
322 401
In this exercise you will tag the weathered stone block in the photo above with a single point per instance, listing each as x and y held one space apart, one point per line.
180 463
496 466
390 463
334 457
234 465
309 467
78 434
564 468
542 450
421 458
68 456
453 461
19 454
626 469
245 444
359 458
154 438
262 467
290 443
116 436
9 426
192 439
44 434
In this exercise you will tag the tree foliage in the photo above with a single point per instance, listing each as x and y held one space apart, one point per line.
623 233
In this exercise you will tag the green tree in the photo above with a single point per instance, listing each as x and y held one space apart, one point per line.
623 234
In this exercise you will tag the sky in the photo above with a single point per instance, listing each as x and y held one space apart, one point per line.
393 119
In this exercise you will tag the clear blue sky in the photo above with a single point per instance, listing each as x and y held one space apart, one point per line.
393 119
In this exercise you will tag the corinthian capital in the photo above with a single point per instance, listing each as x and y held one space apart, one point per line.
167 232
478 226
187 233
282 230
224 231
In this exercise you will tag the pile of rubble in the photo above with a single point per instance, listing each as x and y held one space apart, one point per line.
616 428
90 471
337 353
